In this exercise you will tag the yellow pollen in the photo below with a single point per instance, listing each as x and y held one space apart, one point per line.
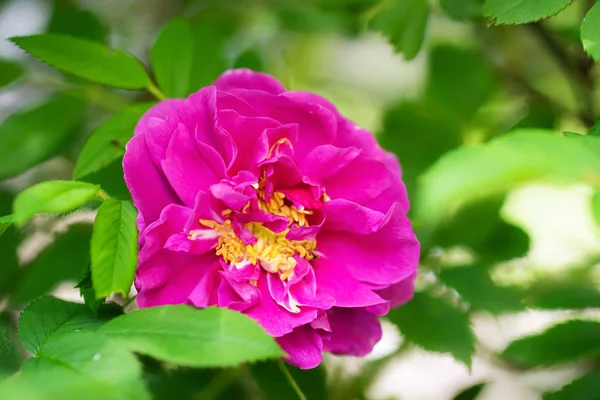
273 251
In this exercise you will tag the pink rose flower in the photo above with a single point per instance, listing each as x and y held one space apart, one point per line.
269 202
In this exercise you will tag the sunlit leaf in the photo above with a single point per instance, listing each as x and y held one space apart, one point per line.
586 387
508 12
52 197
86 59
114 248
590 32
187 336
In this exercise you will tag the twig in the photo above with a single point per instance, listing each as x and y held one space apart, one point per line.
291 380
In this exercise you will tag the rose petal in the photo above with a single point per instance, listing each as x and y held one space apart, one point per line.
304 346
354 331
247 79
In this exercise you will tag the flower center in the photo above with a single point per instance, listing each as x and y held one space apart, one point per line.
273 251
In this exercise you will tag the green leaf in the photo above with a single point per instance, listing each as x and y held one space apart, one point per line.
509 12
562 295
183 335
52 197
470 393
5 223
9 72
172 56
471 173
48 317
274 385
86 59
62 260
68 19
475 286
86 290
114 248
461 10
586 387
590 32
595 129
9 355
211 30
480 227
79 365
107 142
435 325
403 22
459 81
33 136
563 343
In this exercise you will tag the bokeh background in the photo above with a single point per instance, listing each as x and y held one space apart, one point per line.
508 222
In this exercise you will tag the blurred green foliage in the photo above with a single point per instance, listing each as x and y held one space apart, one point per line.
497 107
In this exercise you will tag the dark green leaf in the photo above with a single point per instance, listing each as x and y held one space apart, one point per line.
63 260
114 248
86 59
68 19
595 130
9 263
5 222
403 23
274 385
462 9
111 179
250 59
459 81
86 290
187 336
52 197
480 227
210 32
9 355
31 137
470 393
566 342
509 12
475 286
435 325
9 72
107 142
586 387
562 295
48 317
171 57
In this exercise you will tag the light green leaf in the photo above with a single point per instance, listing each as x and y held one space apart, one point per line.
566 342
471 173
590 32
114 248
586 387
404 23
62 260
172 56
33 136
462 9
86 59
107 142
509 12
48 317
9 72
477 288
435 325
212 337
53 197
5 222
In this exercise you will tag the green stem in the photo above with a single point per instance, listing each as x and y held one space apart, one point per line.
155 91
291 380
102 194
